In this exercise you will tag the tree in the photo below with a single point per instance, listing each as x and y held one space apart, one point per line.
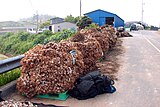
47 23
84 22
70 18
76 19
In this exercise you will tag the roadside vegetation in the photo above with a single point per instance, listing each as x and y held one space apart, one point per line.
18 43
9 76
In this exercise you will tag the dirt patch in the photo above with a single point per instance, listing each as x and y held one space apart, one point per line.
3 57
110 65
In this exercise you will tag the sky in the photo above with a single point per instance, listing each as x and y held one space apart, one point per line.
129 10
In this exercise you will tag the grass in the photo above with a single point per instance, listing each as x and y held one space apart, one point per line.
8 76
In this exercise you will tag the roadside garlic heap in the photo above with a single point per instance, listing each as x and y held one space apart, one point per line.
11 103
90 49
49 69
54 67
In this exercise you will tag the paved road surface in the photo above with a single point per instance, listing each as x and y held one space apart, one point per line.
139 84
139 76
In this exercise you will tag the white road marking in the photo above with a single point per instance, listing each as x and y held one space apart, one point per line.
152 44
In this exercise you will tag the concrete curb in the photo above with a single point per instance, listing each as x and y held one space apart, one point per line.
8 89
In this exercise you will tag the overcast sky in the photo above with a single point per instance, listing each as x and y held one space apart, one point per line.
129 10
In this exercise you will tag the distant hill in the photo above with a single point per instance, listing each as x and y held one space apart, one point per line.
10 24
30 21
42 18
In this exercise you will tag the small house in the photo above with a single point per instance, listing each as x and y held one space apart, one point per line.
58 24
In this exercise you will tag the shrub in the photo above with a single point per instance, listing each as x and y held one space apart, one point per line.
23 36
39 39
8 34
84 22
93 25
47 33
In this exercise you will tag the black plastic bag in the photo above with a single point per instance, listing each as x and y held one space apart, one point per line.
92 85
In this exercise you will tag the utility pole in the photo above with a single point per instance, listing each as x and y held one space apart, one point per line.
37 19
80 8
142 11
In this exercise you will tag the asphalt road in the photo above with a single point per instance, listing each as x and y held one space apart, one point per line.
139 76
138 82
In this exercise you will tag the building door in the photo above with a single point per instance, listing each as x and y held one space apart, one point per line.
109 21
50 28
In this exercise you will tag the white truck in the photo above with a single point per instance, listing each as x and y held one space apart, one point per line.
34 30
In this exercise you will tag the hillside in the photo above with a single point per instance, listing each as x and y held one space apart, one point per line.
10 24
30 21
42 18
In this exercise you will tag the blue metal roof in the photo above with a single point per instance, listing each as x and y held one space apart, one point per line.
103 11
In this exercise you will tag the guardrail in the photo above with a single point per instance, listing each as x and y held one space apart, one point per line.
10 63
5 66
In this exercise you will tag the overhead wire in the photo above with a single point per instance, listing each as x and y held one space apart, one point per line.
32 6
35 13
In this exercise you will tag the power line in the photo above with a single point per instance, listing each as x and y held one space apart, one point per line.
36 15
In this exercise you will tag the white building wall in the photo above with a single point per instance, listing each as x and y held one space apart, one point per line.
64 25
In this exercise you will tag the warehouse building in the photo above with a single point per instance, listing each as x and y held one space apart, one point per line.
102 17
